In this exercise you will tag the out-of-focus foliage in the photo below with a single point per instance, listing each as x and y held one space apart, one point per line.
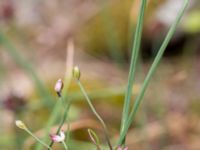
192 23
39 31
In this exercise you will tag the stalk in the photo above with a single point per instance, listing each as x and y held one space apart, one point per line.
95 113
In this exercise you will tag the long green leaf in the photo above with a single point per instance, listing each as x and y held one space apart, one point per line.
134 59
152 70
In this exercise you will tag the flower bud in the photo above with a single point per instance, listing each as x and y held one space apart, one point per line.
93 137
20 124
58 87
58 138
76 73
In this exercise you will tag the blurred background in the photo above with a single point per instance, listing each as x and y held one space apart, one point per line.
40 40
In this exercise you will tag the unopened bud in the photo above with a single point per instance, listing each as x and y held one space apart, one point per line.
58 138
20 124
93 137
76 73
58 87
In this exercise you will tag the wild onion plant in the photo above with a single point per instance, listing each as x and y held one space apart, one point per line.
129 111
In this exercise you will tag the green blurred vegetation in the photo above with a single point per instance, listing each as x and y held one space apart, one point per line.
102 43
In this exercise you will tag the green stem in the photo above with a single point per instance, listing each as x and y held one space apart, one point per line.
65 146
134 59
63 118
68 132
37 139
95 113
55 111
151 72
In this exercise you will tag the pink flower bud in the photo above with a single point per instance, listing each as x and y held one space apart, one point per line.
58 87
58 138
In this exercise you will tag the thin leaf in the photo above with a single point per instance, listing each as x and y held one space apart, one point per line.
152 70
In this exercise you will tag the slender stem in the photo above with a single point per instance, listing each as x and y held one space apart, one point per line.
68 132
56 110
50 122
95 113
151 72
65 146
134 59
63 118
37 139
